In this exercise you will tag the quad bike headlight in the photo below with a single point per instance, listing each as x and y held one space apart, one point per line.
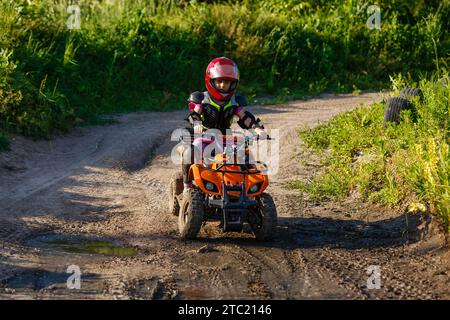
210 186
255 188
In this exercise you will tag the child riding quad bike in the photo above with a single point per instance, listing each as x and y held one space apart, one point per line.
224 188
227 191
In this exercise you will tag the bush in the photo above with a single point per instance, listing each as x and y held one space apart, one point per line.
405 164
149 54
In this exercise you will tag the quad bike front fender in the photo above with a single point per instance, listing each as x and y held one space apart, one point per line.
200 175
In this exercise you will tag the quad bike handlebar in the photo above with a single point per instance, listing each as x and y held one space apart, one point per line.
237 141
242 139
236 136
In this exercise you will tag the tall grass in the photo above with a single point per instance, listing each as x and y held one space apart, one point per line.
405 164
149 54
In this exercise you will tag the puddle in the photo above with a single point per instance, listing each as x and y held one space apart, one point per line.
80 244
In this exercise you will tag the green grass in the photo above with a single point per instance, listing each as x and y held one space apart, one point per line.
402 165
149 54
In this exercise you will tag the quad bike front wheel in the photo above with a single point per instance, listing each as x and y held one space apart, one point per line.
192 213
263 218
175 189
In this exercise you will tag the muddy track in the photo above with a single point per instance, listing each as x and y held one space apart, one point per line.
110 183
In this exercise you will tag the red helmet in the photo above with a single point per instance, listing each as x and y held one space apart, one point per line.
223 68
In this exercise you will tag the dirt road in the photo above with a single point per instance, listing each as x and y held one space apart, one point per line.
109 183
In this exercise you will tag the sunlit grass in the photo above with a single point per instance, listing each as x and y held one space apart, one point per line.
405 164
149 54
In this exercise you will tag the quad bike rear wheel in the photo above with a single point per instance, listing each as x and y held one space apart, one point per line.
175 189
192 213
263 218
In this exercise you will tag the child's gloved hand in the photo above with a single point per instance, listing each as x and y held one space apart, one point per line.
197 107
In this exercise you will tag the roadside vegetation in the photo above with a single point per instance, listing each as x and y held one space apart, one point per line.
149 54
400 165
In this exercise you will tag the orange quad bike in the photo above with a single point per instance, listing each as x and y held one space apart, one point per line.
225 191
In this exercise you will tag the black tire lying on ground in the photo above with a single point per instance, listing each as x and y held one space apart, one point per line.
402 102
393 108
409 93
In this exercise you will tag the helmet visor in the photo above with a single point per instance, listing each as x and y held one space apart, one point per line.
224 71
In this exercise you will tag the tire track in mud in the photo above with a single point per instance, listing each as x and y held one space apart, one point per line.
265 270
346 260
